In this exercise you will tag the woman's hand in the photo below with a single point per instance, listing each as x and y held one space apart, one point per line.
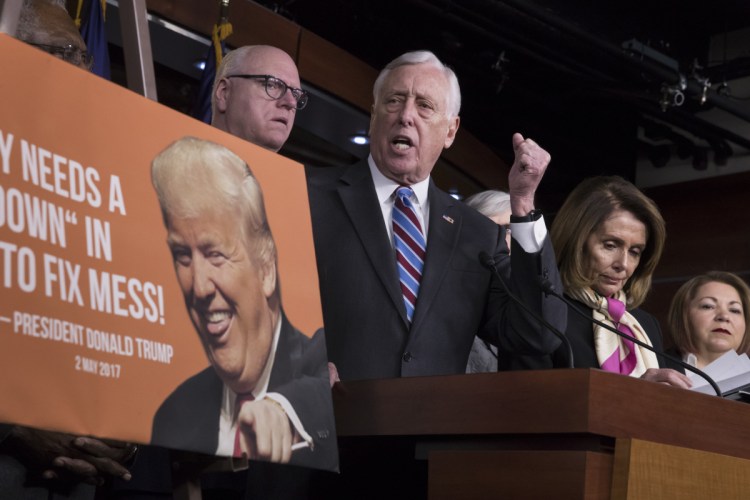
667 376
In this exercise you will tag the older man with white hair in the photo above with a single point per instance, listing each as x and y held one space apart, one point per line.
402 285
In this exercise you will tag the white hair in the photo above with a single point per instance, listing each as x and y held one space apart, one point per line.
453 104
490 203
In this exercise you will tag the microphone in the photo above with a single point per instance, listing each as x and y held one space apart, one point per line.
487 261
549 288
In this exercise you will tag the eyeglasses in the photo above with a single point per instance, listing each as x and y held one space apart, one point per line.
68 53
276 88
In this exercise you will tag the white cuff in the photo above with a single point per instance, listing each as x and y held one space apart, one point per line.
530 235
294 419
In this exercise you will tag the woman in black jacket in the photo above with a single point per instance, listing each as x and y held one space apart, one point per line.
608 238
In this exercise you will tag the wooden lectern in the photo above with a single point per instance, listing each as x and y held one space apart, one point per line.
539 434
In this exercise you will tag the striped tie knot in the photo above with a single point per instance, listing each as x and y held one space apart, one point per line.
409 242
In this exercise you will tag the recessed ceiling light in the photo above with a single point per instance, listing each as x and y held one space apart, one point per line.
360 139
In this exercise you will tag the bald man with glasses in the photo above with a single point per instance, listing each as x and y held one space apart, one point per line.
256 95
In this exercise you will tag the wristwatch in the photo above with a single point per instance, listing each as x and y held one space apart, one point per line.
532 216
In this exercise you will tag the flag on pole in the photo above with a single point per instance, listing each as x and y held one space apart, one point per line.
222 30
95 37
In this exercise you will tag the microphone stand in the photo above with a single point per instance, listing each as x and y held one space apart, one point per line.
489 263
550 289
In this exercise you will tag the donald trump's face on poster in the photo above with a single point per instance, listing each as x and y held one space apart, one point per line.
226 290
225 261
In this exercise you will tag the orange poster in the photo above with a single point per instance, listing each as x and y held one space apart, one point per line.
113 303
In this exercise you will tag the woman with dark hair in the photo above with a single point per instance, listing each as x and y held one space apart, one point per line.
709 316
608 238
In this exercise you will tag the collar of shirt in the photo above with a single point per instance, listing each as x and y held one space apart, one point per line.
691 359
384 189
227 418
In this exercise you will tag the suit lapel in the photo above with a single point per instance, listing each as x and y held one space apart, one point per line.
358 196
445 226
287 349
208 412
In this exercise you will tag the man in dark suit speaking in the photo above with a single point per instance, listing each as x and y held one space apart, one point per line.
266 394
402 287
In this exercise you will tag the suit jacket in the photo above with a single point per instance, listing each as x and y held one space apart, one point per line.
367 333
189 417
580 333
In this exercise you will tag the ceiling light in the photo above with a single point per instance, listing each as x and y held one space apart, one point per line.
360 139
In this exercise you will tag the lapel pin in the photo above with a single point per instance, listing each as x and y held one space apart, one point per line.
448 219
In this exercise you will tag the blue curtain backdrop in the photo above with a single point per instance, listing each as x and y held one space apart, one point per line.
94 35
202 106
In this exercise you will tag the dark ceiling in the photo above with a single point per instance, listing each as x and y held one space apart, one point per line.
556 71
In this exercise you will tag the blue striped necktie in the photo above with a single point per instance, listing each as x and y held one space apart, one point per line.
408 239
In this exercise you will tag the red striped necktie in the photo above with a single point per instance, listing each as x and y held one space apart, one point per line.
241 399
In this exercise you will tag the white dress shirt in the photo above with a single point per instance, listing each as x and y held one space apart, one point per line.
530 235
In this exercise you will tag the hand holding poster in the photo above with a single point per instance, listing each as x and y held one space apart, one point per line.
111 302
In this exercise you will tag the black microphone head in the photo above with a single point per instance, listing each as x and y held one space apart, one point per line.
486 259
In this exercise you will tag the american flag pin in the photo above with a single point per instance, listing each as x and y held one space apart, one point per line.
448 219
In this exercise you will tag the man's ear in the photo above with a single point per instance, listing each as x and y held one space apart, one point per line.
221 93
268 278
452 129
